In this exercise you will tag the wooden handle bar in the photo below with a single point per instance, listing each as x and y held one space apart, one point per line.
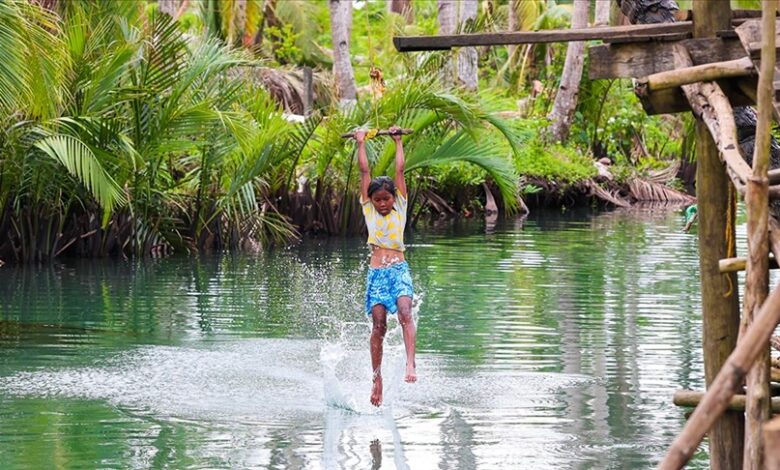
349 135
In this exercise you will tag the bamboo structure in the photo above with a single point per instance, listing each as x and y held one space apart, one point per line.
708 62
757 406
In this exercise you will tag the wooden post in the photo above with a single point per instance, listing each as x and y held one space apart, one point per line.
757 404
772 442
720 302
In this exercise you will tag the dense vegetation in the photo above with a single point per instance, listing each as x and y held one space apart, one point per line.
124 131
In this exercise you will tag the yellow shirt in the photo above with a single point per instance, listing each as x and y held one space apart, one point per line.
386 231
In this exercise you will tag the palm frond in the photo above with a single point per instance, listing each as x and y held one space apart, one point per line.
460 147
81 163
13 83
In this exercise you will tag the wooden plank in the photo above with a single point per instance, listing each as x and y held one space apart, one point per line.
443 42
640 60
656 38
672 100
749 34
754 49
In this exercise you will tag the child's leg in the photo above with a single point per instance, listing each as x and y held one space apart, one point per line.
379 319
409 330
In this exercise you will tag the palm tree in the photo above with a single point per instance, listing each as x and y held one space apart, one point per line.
565 103
341 29
448 21
236 22
467 56
454 15
403 8
150 142
602 13
449 130
170 7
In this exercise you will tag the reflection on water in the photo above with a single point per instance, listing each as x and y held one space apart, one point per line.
552 342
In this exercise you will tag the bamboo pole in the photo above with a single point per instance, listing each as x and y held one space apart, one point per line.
757 405
732 265
692 398
772 441
729 379
700 73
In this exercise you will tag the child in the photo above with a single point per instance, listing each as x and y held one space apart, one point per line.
389 284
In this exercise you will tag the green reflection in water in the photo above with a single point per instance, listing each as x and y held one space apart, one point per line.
555 342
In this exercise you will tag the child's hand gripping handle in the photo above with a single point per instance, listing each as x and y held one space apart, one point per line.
391 131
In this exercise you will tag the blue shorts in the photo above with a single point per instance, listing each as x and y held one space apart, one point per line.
385 285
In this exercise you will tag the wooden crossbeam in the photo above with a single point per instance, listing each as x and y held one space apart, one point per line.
640 60
629 32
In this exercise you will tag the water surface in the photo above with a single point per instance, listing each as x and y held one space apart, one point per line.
553 342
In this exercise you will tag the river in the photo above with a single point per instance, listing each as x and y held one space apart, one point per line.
551 342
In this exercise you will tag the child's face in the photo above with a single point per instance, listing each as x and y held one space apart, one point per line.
383 200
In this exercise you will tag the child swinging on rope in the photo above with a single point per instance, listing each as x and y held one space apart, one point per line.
389 283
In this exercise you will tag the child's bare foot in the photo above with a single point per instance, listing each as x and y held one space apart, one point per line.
376 391
411 373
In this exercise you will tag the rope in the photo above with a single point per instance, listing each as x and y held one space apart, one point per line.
731 245
377 82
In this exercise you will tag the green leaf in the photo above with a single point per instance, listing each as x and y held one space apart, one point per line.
82 164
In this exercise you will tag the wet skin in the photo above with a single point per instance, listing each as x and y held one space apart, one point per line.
383 201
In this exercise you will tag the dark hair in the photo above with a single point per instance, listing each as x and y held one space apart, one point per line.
381 182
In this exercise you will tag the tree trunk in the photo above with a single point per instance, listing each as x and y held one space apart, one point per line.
168 6
403 8
602 13
341 30
467 56
448 18
720 313
562 112
514 25
239 21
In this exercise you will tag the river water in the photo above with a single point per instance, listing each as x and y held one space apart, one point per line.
551 342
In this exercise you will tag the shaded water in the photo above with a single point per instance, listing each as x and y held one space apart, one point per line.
554 342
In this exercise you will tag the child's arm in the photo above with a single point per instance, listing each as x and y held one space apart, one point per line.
365 171
400 182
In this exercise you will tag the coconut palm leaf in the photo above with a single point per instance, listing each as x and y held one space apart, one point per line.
460 147
527 12
13 77
31 59
82 164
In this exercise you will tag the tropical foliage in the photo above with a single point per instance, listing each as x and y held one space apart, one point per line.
121 133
